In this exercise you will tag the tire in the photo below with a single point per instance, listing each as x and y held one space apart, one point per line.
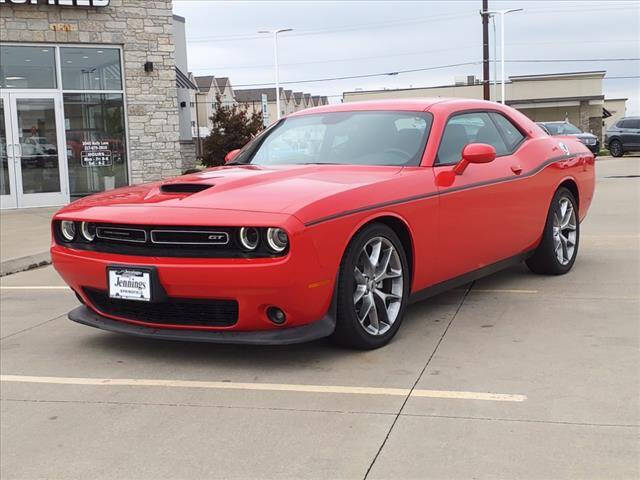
558 248
615 148
362 286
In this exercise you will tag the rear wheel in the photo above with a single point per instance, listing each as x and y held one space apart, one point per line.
373 288
615 148
559 246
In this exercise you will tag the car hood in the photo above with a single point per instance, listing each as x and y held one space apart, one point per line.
274 189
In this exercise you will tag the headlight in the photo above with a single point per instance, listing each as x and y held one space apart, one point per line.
88 231
68 230
277 239
249 237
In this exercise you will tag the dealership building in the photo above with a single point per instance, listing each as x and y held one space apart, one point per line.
577 97
93 95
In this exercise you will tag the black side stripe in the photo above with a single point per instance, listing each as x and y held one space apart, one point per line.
441 192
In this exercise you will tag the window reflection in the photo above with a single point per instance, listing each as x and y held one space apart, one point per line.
96 149
90 68
27 67
38 145
5 188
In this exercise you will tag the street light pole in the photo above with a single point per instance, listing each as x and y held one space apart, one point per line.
275 58
502 14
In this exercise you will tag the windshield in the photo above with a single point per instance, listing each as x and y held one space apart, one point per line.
564 128
345 138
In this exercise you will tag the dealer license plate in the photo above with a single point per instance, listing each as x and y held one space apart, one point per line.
129 284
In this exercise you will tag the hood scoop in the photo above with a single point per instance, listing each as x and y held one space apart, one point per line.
187 188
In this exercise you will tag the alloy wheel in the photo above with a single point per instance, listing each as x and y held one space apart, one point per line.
616 148
564 231
378 286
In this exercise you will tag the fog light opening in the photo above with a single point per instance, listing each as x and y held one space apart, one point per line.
276 315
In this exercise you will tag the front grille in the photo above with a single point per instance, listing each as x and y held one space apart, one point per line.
122 234
166 241
189 237
173 311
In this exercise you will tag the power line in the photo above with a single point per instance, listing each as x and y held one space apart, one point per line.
338 60
342 28
365 75
575 60
392 23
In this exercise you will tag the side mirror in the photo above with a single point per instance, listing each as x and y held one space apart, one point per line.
229 156
475 153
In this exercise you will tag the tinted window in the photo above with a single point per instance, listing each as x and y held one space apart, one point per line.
509 131
349 138
27 67
632 123
468 128
562 128
90 68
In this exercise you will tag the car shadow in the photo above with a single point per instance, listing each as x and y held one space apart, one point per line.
419 316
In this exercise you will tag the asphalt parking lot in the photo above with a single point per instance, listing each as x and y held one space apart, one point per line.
517 376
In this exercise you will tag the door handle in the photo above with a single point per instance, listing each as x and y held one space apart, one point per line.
517 169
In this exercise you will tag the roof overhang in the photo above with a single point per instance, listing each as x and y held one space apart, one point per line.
182 81
555 102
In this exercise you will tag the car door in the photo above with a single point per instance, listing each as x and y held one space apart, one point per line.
482 212
630 133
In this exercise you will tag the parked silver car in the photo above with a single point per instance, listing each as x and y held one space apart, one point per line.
623 136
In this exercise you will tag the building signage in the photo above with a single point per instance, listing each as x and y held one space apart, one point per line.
63 3
96 154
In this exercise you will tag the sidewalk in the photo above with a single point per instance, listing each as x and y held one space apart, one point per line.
25 236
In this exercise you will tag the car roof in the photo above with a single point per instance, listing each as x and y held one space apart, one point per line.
408 104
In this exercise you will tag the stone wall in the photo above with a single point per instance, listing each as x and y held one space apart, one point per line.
144 29
188 154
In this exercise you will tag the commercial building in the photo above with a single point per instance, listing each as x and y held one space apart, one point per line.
577 97
89 98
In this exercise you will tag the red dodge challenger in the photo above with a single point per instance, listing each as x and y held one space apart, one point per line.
328 224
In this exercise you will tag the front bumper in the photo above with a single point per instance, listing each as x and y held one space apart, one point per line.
299 284
284 336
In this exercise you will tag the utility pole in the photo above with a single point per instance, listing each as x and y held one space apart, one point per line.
485 49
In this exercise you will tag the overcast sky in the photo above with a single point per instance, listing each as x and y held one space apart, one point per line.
338 39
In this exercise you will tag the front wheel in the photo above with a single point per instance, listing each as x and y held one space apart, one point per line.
615 148
559 245
373 288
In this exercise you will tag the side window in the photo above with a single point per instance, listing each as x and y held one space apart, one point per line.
467 128
511 134
632 124
622 124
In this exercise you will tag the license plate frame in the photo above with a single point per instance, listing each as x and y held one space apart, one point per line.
152 291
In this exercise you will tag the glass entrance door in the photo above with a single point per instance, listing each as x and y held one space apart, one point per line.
8 197
36 173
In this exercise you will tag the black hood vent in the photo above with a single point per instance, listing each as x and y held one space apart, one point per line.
184 187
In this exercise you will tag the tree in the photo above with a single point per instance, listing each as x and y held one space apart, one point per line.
232 128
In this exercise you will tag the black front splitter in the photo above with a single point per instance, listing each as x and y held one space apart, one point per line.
277 336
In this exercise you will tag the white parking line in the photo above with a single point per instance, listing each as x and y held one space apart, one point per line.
502 290
37 287
272 387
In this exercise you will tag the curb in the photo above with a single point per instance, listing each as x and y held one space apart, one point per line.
15 265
